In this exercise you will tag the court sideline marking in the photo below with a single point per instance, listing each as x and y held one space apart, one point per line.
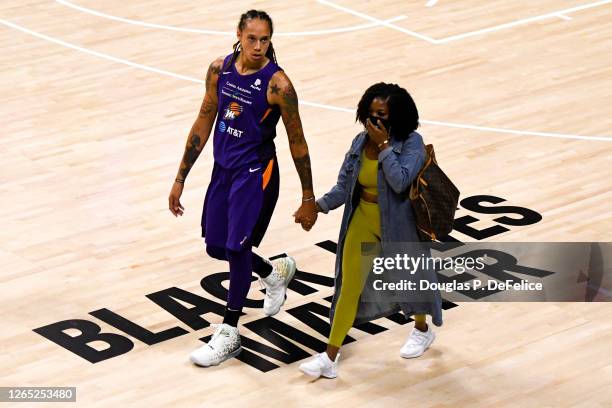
302 102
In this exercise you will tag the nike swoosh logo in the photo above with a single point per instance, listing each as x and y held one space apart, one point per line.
226 72
253 170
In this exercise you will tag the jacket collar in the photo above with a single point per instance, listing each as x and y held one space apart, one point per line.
360 142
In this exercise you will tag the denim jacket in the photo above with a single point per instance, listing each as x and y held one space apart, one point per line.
398 166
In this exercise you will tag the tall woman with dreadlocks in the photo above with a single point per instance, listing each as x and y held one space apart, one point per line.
379 167
247 93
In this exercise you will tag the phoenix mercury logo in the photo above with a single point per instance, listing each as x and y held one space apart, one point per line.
233 110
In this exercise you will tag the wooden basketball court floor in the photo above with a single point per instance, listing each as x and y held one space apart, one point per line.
96 102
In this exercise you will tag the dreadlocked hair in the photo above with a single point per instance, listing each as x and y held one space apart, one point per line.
403 113
250 15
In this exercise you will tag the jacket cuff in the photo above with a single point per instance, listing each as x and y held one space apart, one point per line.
323 205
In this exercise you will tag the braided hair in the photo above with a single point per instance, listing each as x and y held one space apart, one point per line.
250 15
403 113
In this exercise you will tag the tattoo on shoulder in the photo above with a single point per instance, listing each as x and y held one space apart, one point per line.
213 69
274 89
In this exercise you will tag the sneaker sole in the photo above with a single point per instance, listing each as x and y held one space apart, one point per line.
404 355
230 355
291 275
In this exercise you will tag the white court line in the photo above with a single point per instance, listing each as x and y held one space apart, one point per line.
374 22
517 132
225 33
98 54
445 40
378 21
306 103
521 22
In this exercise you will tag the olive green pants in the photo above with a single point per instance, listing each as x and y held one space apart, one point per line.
364 227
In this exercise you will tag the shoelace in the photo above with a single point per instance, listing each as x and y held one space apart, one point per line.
282 266
324 359
419 336
217 333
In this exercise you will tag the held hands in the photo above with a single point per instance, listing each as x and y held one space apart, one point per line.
379 135
306 214
174 203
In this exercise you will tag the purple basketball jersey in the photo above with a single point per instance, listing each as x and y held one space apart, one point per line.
246 122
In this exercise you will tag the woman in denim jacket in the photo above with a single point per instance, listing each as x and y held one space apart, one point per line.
377 171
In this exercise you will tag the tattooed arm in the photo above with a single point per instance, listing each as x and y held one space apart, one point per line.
200 131
198 136
282 93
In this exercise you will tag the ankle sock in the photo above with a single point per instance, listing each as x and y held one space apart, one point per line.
261 267
231 317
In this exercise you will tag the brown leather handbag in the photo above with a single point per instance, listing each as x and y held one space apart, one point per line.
434 199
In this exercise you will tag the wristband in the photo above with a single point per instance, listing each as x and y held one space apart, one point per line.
178 180
382 145
307 199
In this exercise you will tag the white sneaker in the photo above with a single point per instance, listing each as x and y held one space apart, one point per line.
223 345
417 343
276 284
321 365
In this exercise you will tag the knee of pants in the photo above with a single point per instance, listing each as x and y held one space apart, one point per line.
349 295
216 252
